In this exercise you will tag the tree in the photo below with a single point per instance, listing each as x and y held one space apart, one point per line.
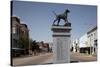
23 42
30 43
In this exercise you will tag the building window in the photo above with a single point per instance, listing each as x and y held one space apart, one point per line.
91 34
17 30
88 36
95 43
14 30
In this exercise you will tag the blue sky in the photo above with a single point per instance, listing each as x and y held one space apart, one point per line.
39 18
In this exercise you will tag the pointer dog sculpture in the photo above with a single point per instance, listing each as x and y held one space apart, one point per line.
61 16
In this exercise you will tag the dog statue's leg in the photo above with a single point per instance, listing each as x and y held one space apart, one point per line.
54 21
64 20
67 20
58 21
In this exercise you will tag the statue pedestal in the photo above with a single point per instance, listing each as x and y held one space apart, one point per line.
61 43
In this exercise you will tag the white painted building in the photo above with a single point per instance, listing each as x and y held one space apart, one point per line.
88 42
92 39
83 44
83 41
75 45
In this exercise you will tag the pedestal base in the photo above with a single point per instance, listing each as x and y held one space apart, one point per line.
61 49
61 44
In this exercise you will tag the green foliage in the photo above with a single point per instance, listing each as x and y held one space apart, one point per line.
30 44
23 42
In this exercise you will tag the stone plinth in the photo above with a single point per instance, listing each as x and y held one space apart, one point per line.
61 43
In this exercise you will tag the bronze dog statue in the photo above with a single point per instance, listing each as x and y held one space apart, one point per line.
61 16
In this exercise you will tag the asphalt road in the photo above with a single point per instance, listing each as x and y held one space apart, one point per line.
78 57
48 58
33 60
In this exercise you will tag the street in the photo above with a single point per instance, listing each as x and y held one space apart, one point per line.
78 57
33 60
47 58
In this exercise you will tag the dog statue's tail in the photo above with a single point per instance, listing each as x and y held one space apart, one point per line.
54 13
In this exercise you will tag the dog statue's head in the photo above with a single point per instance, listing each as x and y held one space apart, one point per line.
67 11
